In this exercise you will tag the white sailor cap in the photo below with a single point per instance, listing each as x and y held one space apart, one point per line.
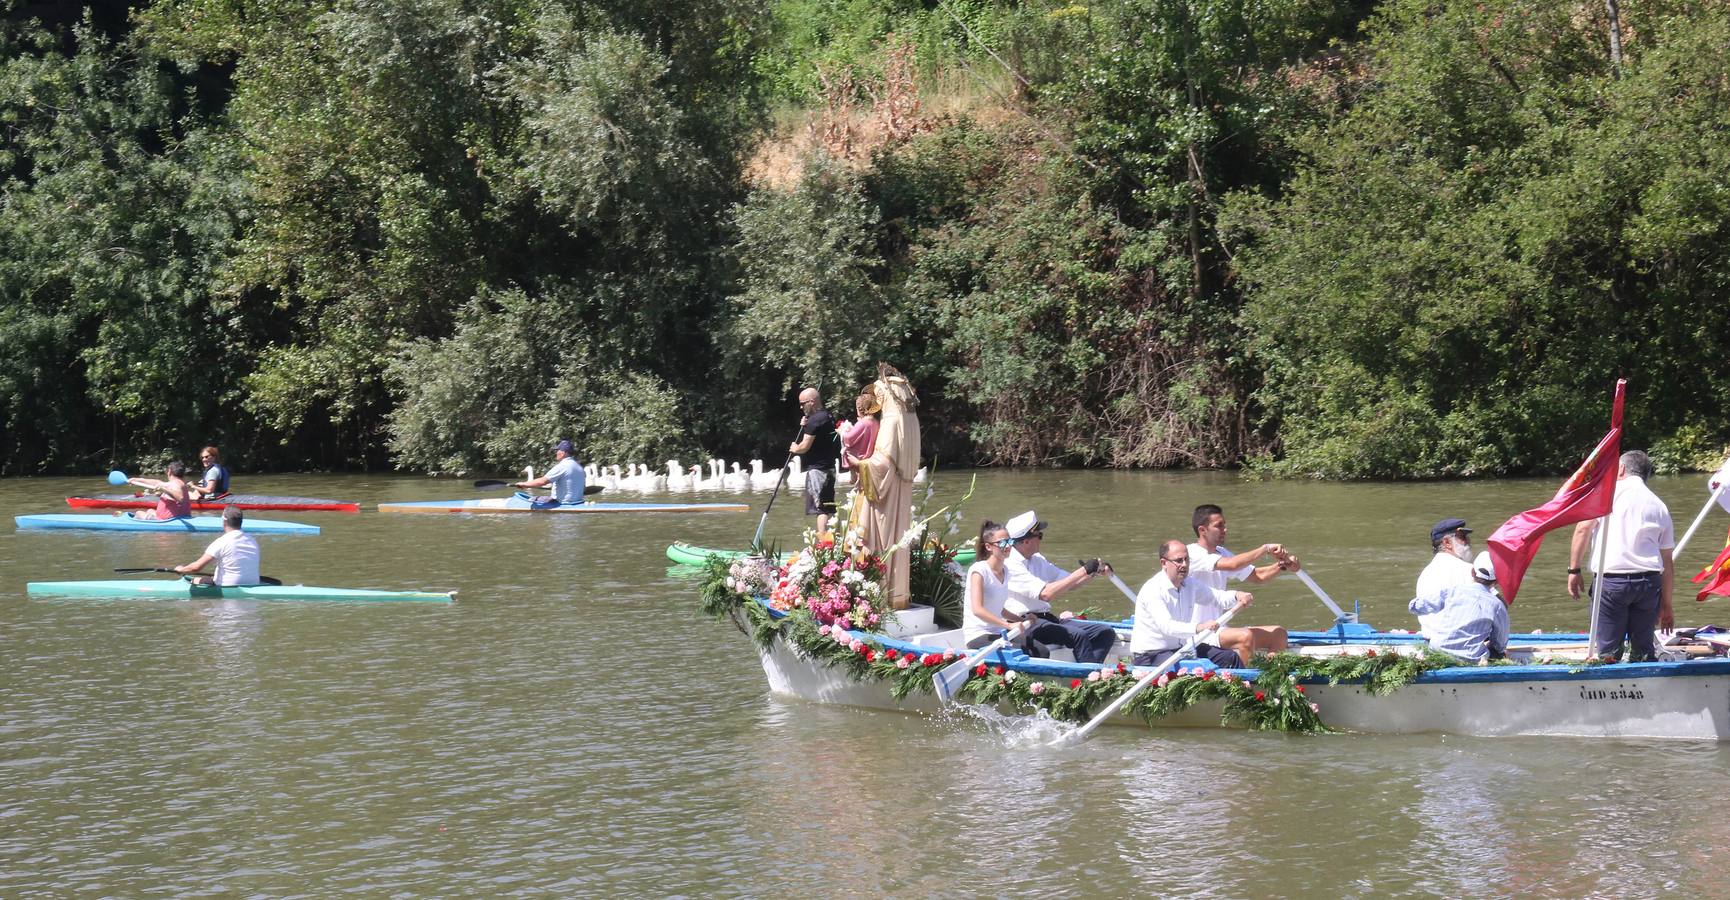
1021 525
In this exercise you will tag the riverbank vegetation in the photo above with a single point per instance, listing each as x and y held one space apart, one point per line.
1320 239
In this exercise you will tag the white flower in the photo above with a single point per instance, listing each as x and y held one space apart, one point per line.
1009 675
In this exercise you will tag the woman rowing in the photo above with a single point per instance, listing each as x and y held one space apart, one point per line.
173 495
982 618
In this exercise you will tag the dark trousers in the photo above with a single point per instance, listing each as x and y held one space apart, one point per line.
1628 608
1219 656
1090 641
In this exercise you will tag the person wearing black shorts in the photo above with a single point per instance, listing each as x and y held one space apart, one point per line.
820 444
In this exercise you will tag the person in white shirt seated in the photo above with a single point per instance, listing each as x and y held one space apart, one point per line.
235 554
1452 542
1034 582
1172 608
566 479
1467 620
983 619
1213 565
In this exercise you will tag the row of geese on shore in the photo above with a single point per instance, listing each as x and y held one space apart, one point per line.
714 475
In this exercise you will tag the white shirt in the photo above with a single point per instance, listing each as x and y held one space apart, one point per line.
236 555
566 479
996 594
1204 564
1166 616
1637 528
1027 577
1465 620
1444 571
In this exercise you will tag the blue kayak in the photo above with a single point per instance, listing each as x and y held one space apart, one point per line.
208 524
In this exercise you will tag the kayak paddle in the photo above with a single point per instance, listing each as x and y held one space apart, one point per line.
262 579
949 679
117 478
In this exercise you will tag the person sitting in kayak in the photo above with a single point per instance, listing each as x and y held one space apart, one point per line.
215 483
1467 620
235 554
566 479
173 495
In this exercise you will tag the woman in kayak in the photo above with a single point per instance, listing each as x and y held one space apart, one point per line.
215 483
173 496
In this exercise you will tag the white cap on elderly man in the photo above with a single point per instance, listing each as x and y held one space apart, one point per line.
1019 526
1483 568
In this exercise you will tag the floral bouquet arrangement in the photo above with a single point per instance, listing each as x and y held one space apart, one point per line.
839 585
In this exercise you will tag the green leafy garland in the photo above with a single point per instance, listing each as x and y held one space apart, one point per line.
1274 701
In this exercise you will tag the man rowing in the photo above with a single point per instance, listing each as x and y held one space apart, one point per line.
1467 620
1034 582
1173 608
1452 564
215 483
1211 564
566 478
235 554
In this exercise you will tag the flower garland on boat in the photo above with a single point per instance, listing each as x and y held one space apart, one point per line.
1274 701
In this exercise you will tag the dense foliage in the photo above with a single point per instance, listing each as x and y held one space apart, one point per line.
1365 239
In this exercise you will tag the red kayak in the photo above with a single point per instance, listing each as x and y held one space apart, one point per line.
244 501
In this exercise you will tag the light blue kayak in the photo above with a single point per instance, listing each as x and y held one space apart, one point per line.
519 505
210 524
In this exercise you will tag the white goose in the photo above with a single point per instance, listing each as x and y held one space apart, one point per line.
736 480
761 480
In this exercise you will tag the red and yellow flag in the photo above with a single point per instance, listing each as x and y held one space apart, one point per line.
1585 495
1718 573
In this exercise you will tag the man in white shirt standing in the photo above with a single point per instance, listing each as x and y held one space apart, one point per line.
1452 565
566 479
1034 582
1172 608
1213 565
1638 569
235 555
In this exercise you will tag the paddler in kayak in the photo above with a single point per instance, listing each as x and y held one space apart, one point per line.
173 495
566 479
215 483
235 554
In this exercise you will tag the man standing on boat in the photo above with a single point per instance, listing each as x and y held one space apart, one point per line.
1212 565
1638 569
235 554
820 445
215 483
566 478
1168 607
1467 620
1452 565
1034 582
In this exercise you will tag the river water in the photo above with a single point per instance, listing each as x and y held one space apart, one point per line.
573 726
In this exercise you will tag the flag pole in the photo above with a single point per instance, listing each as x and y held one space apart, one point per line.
1597 583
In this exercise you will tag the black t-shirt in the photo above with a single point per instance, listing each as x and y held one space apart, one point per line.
825 440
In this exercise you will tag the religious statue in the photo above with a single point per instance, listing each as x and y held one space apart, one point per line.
885 480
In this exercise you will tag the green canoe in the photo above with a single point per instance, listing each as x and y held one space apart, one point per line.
180 589
691 555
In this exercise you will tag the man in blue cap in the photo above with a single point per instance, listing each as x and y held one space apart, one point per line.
1452 565
565 478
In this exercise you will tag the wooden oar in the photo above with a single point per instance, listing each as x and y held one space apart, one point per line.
950 678
1141 683
262 579
1339 614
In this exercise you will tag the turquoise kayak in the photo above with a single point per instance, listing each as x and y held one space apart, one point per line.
691 555
519 505
181 589
209 524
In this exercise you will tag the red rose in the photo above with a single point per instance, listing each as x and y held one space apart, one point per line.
1074 683
1300 688
997 671
1207 676
1081 616
1371 654
979 670
1121 667
869 656
1259 696
889 654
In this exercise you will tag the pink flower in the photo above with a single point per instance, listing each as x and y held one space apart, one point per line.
1093 675
823 630
856 646
1163 679
949 656
873 619
1036 688
1314 708
902 663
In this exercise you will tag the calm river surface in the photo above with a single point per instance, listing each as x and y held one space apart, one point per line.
573 726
